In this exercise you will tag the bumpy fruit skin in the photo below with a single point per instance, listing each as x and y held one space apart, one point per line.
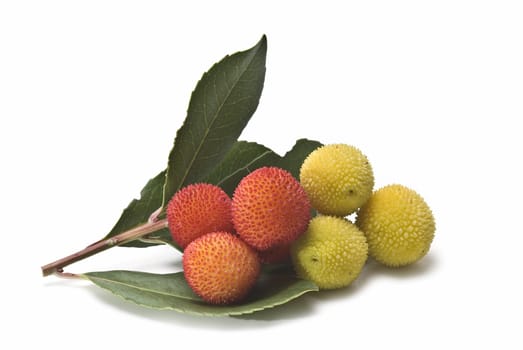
196 210
331 253
270 208
220 267
399 225
338 179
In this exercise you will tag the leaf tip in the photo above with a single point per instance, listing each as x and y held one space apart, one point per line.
262 44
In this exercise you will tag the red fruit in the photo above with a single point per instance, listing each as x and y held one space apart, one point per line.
196 210
270 208
220 267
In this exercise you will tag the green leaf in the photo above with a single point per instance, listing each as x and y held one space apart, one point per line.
293 159
139 211
220 107
171 292
139 286
243 158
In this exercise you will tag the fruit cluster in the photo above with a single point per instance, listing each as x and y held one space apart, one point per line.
226 240
313 209
268 220
393 225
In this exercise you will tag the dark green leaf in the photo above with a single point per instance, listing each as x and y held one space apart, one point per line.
243 158
220 107
170 291
139 211
293 159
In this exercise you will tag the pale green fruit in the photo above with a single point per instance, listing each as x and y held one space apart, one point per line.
331 253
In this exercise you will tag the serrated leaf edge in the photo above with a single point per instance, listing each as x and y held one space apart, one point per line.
312 288
90 277
259 46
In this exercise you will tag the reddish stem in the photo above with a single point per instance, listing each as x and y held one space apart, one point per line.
122 238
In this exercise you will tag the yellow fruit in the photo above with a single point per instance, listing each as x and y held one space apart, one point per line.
338 179
398 224
331 253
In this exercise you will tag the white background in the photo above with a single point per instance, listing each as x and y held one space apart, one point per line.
92 93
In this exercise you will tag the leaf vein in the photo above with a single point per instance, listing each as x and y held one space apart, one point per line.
92 278
206 133
245 167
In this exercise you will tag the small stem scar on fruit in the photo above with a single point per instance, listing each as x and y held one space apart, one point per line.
122 238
